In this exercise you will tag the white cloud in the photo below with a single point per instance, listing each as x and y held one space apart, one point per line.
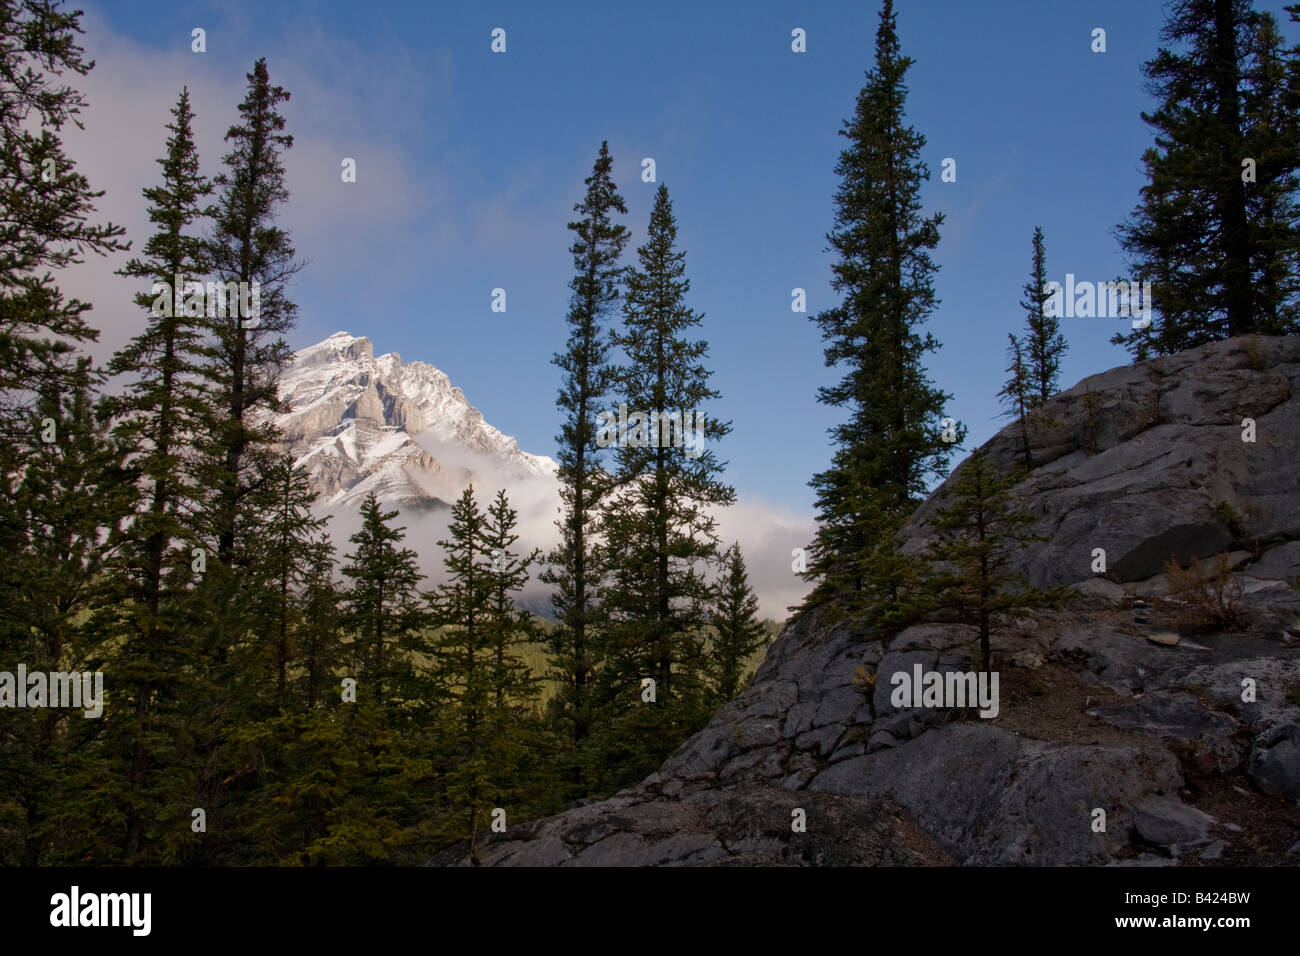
358 236
766 533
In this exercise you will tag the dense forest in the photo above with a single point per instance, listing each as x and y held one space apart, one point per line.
273 696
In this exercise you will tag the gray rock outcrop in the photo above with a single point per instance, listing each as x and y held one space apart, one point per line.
1109 748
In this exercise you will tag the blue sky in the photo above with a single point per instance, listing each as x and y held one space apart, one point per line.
469 163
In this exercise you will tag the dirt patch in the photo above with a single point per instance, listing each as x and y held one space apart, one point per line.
1270 826
1050 703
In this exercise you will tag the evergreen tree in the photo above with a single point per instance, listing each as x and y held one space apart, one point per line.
324 779
1016 394
979 532
892 442
320 651
575 566
1213 243
335 786
54 510
382 605
1044 344
237 451
62 517
517 751
247 247
506 624
462 608
1271 107
285 553
160 411
463 611
660 526
48 206
737 631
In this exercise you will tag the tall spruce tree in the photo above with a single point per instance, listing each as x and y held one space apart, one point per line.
1044 343
248 247
1215 228
55 512
660 526
1271 115
574 563
160 411
892 442
737 631
237 450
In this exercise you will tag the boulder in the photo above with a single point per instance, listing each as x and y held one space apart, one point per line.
1279 564
1275 762
1171 823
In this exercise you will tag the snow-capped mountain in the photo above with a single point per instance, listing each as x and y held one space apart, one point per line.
360 423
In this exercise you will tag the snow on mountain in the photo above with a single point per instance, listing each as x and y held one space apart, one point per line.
359 424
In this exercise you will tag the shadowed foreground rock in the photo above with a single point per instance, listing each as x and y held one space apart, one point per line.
743 826
1188 748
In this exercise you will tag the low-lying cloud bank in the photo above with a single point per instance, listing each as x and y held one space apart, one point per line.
767 534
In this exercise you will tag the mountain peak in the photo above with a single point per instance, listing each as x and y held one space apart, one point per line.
341 346
359 424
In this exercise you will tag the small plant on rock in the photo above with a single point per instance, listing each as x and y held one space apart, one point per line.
1256 357
1210 599
1229 515
1091 409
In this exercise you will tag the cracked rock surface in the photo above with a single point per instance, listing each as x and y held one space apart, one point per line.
1188 751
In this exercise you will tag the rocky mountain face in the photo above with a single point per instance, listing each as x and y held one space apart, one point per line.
1118 740
360 424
